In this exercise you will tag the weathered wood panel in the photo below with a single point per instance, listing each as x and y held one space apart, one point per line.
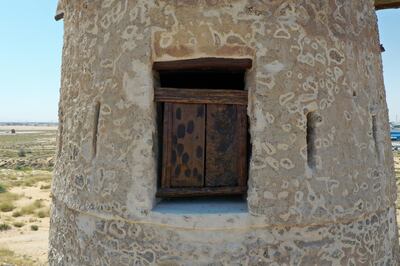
187 138
201 96
225 144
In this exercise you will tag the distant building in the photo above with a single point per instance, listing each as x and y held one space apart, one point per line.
395 131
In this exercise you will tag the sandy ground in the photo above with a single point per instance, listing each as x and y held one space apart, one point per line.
24 241
32 244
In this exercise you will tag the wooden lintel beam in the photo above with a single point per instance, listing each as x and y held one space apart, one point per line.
386 4
209 63
59 16
201 96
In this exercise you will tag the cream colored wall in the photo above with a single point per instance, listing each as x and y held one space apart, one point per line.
319 56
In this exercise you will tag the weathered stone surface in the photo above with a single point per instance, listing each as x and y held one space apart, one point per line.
309 56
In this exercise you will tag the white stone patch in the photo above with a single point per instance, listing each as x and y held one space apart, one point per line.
138 89
86 149
274 67
283 195
261 122
86 224
268 195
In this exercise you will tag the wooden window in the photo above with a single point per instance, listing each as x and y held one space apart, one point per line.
203 124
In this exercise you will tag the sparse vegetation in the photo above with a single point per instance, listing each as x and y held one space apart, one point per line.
33 150
34 227
43 187
4 227
8 257
2 188
7 200
21 153
18 224
43 213
27 178
26 165
16 214
6 207
31 208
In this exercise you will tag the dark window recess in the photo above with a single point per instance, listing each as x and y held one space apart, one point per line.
96 129
229 80
202 128
312 120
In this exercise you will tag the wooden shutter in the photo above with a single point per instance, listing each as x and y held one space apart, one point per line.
184 150
226 132
204 142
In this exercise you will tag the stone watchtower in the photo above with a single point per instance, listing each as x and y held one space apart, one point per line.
240 132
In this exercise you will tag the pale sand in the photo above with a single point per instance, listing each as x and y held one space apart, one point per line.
24 241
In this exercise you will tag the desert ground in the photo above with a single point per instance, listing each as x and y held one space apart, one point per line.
26 164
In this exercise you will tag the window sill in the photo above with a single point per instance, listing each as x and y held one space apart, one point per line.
201 206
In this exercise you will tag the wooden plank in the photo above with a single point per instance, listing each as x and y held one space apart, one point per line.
209 63
201 96
167 146
59 16
225 145
385 4
186 155
242 129
196 192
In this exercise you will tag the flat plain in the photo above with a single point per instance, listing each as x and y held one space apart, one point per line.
26 165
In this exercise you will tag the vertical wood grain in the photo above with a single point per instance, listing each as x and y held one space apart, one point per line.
223 145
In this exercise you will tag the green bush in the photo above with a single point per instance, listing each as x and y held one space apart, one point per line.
21 153
34 227
30 209
6 207
43 213
18 224
2 188
16 214
7 201
4 227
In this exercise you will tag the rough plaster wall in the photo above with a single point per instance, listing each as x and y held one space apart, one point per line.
309 56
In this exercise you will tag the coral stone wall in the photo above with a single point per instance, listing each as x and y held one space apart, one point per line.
309 56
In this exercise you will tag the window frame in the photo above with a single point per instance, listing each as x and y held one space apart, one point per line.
169 96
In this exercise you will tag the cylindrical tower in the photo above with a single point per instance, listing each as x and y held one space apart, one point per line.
320 181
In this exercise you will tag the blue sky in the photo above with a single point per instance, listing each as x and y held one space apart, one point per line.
389 30
30 60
